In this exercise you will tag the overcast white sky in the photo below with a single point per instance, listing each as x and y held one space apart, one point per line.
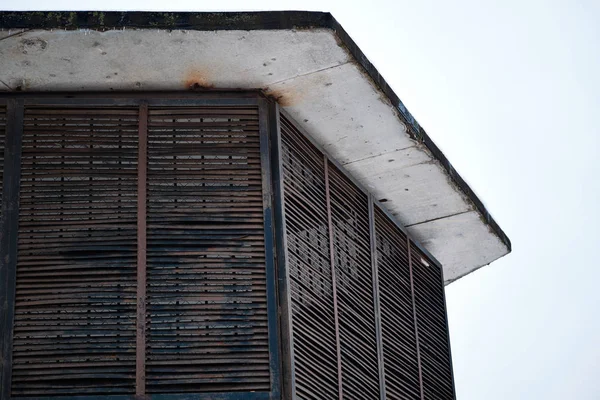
510 91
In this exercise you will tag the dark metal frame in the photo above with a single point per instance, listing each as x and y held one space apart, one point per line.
376 300
9 224
283 278
273 321
276 138
281 348
140 359
416 322
336 318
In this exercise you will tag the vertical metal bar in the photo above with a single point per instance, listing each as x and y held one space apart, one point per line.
272 309
333 277
414 304
283 278
9 227
140 363
447 328
376 303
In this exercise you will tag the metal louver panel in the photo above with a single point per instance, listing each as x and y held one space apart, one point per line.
356 305
354 286
138 259
397 316
207 306
436 367
316 371
74 324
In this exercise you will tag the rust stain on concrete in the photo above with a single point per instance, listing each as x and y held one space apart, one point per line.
197 79
285 97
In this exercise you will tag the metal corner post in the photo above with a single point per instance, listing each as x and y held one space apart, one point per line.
9 226
333 277
376 302
414 304
448 330
283 278
140 382
270 245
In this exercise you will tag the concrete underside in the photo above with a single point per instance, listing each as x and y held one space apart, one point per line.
313 77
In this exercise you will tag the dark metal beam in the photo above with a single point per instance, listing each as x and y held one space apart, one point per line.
9 227
272 307
376 303
448 330
211 21
167 396
140 364
414 305
333 277
283 276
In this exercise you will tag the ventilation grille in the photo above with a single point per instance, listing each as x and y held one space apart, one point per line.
74 328
436 367
309 267
354 283
397 316
341 355
207 307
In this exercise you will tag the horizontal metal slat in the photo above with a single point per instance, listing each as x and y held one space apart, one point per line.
352 260
397 318
206 301
309 267
433 329
74 328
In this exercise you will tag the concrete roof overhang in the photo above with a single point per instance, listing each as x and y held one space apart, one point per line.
303 59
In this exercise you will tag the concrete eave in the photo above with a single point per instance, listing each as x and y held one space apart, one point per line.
303 59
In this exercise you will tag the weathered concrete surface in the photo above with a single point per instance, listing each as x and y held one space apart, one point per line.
153 59
441 235
314 79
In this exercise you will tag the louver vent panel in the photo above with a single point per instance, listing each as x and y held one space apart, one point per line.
74 327
354 283
309 267
397 317
433 331
182 246
207 306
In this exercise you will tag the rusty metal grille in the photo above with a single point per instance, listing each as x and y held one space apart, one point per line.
138 259
139 246
357 311
397 316
436 367
309 267
74 324
354 286
207 305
